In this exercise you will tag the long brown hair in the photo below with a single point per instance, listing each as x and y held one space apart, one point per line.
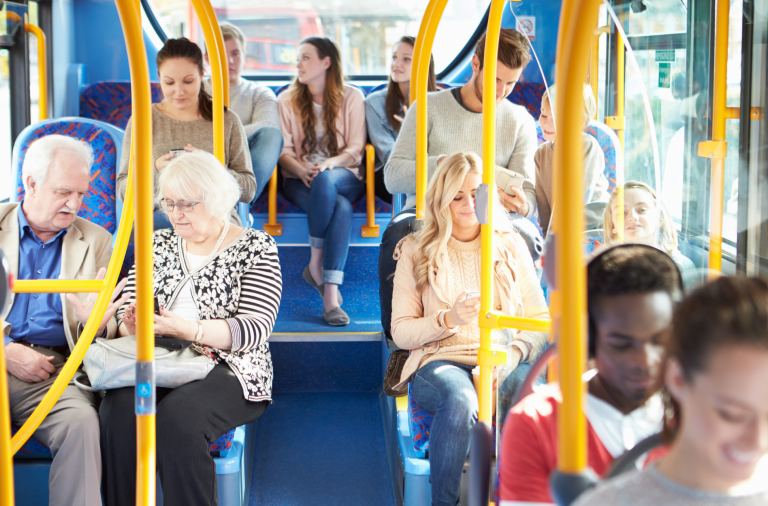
184 48
726 312
395 99
332 97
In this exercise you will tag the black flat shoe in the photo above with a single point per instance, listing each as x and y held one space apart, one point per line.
320 288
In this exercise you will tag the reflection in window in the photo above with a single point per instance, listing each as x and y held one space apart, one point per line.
364 31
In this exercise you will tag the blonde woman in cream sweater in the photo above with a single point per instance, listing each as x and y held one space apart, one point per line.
431 316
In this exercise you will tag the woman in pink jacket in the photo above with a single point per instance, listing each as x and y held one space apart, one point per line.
323 125
432 316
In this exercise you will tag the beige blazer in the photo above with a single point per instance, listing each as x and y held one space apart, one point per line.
86 248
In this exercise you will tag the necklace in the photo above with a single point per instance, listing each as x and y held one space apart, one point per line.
216 248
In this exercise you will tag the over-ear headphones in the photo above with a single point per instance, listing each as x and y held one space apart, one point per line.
597 259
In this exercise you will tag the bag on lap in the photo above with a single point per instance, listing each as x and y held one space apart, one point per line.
111 363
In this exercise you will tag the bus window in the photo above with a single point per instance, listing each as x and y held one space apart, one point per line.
5 128
365 32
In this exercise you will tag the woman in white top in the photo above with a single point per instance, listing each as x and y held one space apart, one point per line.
716 380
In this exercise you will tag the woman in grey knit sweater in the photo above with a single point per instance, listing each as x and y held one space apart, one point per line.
716 378
184 121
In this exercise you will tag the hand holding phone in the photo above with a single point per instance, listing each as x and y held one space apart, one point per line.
175 152
507 180
472 295
157 307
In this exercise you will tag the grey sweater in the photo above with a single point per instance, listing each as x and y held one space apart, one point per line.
168 134
451 129
651 488
254 104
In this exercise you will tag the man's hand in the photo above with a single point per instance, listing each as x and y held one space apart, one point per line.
83 309
27 364
514 203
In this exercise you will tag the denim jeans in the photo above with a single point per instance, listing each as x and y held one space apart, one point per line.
530 234
265 145
328 204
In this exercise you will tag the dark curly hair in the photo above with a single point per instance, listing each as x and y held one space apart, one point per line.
628 269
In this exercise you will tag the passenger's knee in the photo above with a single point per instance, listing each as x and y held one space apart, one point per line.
343 205
271 135
322 182
462 404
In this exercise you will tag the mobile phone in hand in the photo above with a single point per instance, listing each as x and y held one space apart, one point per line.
472 295
157 307
177 151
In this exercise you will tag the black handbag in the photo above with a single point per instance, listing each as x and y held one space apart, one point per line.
395 364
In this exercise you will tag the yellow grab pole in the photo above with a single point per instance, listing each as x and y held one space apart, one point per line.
42 69
595 60
370 229
6 455
145 338
486 359
572 59
424 42
717 148
223 58
416 61
216 78
272 227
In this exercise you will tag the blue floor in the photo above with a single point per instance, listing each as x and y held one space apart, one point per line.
301 308
321 449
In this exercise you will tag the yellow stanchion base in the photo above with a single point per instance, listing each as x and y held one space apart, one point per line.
275 230
368 231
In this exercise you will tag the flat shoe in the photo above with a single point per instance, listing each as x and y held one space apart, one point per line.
336 317
320 288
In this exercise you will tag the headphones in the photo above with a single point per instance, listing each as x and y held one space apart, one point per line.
592 326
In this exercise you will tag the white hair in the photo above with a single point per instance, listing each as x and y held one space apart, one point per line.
200 177
43 152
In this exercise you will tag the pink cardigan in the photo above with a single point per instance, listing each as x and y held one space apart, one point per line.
350 124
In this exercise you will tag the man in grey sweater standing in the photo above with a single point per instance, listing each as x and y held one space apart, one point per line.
255 105
454 124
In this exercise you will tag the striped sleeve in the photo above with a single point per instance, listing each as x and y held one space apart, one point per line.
130 287
261 287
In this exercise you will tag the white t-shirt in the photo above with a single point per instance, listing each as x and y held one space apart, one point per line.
184 305
319 155
619 432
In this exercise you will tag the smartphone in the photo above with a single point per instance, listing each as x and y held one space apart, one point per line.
157 307
177 151
171 343
472 295
506 180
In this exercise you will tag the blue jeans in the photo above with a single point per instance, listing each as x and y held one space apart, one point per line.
265 145
328 204
509 389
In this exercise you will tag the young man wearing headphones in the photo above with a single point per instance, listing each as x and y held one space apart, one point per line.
630 293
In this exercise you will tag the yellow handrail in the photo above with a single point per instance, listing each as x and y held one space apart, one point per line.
217 83
422 52
42 70
6 455
717 148
272 227
370 229
141 146
577 19
223 59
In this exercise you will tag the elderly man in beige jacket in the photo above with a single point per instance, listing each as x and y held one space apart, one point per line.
43 238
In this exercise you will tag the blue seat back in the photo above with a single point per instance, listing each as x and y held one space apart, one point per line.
609 143
99 206
110 101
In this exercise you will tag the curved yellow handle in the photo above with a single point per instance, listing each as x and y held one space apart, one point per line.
6 455
42 69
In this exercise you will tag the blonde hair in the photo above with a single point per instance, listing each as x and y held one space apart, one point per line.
230 31
432 239
590 106
667 235
199 176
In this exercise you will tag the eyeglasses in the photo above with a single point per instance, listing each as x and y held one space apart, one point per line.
184 207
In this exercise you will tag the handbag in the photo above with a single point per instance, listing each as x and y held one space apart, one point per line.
111 363
395 364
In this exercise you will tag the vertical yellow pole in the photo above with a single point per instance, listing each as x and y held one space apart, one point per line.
217 82
370 229
572 59
486 231
42 70
424 43
223 58
620 125
718 147
145 338
6 456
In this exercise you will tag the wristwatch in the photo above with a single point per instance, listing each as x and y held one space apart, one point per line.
199 335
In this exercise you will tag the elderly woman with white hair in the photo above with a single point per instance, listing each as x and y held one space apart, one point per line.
218 285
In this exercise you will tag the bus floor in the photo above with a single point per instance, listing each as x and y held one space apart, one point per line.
321 449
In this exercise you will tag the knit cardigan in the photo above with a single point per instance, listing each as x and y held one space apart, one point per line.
242 285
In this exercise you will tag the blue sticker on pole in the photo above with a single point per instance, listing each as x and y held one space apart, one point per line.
145 388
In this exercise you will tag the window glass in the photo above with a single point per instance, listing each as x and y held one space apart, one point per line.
5 128
651 17
364 31
34 79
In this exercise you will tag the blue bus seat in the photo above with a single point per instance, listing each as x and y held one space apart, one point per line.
529 96
110 101
609 142
99 206
592 240
415 466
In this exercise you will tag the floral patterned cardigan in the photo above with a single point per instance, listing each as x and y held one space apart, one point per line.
242 284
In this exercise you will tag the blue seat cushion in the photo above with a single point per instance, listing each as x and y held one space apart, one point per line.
421 421
99 205
110 101
610 145
261 206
